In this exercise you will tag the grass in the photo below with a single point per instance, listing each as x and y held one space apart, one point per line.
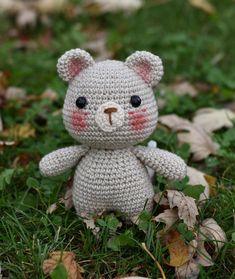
193 45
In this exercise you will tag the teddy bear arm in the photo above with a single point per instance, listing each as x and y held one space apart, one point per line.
59 161
163 162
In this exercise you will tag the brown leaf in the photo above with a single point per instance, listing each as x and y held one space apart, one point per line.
67 259
67 199
104 6
50 6
178 250
209 229
202 256
187 209
169 217
197 177
183 87
22 160
19 131
90 222
6 143
11 6
15 93
211 119
211 180
203 5
51 208
4 80
172 121
49 94
204 87
160 199
189 270
26 17
201 144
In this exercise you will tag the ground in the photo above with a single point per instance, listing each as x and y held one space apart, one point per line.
195 46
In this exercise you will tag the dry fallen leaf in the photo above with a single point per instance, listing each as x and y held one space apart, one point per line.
213 119
27 12
67 199
160 199
169 217
15 93
198 256
183 87
189 270
26 17
49 6
187 209
10 6
202 256
90 223
197 177
201 144
49 94
4 80
104 6
6 143
210 230
172 121
67 259
178 250
51 208
19 131
204 5
211 180
23 159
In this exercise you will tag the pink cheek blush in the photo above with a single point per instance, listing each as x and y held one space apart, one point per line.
79 120
138 119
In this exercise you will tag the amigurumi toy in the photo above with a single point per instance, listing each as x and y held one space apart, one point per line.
109 107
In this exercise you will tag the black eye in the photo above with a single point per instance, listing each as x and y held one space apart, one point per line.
81 102
135 101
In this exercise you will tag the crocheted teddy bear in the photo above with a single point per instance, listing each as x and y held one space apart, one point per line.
109 107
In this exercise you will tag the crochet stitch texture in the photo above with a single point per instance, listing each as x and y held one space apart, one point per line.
109 107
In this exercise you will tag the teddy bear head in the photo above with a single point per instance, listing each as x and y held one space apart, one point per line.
110 104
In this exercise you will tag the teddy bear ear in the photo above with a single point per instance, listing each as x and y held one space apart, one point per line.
147 65
72 62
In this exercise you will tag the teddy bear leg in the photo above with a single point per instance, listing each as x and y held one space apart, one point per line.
85 208
132 209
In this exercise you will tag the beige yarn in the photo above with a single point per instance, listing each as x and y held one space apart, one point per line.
110 173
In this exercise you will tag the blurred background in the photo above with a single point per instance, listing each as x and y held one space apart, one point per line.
195 38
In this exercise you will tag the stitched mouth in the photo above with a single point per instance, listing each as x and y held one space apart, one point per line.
109 111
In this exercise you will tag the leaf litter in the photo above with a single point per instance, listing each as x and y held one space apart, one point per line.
67 260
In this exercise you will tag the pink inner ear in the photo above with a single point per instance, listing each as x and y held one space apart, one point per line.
144 70
75 67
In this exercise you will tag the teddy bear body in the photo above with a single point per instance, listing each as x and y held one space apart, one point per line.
111 180
109 108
